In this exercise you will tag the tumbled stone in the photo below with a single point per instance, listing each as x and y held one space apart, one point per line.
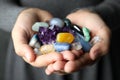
45 49
67 22
37 45
61 46
37 51
95 39
77 29
86 33
65 37
36 26
86 46
76 45
56 22
33 40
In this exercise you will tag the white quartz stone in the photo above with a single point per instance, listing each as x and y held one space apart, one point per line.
37 25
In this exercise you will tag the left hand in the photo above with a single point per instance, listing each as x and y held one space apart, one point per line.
97 27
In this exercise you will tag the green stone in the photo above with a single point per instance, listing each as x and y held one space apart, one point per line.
86 33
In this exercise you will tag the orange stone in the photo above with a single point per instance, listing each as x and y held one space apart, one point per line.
65 37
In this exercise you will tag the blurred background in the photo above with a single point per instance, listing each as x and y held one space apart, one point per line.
4 40
6 24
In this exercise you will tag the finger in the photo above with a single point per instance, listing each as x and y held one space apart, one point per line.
75 65
44 15
49 70
68 55
96 51
46 59
59 65
21 34
101 47
21 45
55 67
77 53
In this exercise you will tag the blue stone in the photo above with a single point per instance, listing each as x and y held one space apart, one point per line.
61 46
86 46
56 22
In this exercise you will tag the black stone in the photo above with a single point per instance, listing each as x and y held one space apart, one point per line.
78 29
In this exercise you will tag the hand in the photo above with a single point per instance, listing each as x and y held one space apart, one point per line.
22 32
97 27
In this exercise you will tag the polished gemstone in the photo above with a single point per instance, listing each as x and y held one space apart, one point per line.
61 46
77 29
36 26
86 46
86 33
45 49
37 51
37 45
56 22
76 45
33 40
67 22
65 37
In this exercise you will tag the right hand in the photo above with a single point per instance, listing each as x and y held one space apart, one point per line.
22 33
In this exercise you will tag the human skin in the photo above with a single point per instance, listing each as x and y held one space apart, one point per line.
67 61
22 32
98 28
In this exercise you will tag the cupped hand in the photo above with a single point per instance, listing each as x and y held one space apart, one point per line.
22 32
97 26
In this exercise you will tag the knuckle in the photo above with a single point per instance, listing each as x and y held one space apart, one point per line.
58 56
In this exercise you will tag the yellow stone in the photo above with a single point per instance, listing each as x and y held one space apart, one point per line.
45 49
65 37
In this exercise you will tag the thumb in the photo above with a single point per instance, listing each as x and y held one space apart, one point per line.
20 41
96 51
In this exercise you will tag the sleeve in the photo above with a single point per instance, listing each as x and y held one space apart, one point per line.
9 11
109 10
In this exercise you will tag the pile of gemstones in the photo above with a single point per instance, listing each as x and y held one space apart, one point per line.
58 35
